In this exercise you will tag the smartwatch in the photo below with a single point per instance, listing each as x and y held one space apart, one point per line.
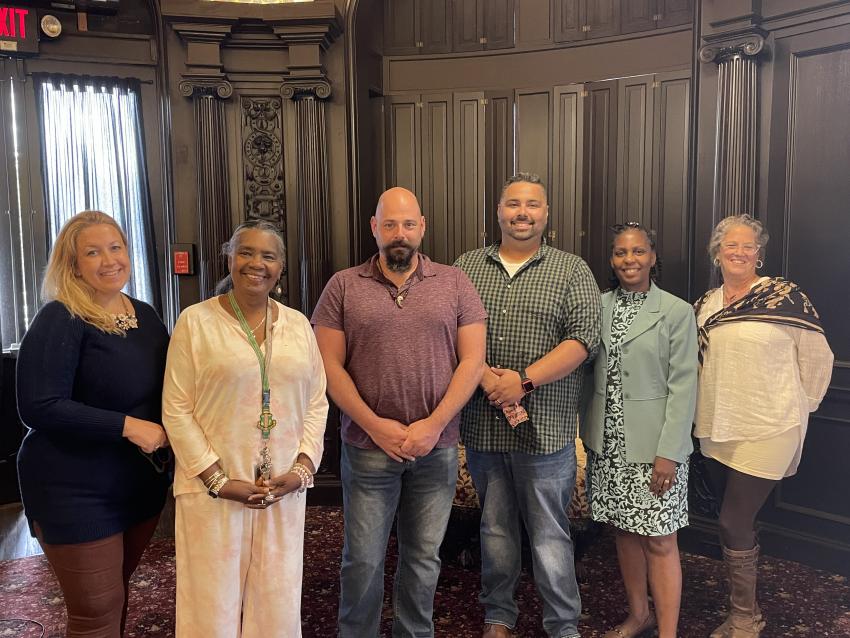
527 384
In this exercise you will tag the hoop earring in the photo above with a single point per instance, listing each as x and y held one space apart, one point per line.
759 264
716 262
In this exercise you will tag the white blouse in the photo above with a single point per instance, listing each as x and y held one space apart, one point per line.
758 379
212 395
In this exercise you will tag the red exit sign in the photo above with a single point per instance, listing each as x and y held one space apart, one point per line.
18 30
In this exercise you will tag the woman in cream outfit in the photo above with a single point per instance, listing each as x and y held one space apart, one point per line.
765 366
239 538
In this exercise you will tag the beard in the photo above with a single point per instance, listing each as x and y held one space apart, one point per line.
399 254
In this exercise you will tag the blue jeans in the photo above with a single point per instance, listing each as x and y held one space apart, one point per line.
537 488
374 489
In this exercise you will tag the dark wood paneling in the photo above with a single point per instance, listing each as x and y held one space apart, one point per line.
533 132
670 179
499 121
565 207
673 12
554 66
435 26
809 164
634 149
469 145
436 161
603 18
498 23
400 28
534 25
403 142
637 15
467 28
568 20
600 132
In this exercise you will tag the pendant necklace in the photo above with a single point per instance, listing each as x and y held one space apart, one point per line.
125 320
266 421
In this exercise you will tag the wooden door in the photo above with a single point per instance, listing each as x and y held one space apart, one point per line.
568 20
602 18
806 213
435 26
634 149
673 12
499 121
534 132
600 170
468 172
467 27
401 29
671 117
498 23
436 161
404 142
566 192
637 15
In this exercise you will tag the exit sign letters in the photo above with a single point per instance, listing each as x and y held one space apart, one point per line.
18 30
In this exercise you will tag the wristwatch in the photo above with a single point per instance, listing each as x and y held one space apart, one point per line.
527 384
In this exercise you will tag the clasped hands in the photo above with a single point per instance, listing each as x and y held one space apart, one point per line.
502 386
262 493
405 442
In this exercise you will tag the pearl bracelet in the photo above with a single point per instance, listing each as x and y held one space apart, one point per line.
304 474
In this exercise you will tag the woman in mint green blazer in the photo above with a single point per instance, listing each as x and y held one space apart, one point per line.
637 428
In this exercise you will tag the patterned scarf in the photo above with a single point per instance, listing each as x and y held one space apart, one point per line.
775 300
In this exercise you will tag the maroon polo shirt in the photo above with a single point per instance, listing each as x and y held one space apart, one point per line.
401 357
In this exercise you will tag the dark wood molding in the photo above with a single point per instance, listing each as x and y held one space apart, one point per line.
721 48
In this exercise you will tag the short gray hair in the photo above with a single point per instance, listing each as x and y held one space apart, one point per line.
726 224
528 178
228 248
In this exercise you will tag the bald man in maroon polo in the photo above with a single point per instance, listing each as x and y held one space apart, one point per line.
403 342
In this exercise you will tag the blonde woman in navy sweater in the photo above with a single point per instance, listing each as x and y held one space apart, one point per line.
93 467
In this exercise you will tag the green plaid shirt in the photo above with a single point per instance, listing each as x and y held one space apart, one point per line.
551 299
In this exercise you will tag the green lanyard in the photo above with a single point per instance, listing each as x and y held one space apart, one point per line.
267 421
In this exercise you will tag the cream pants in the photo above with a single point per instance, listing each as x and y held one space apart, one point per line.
238 569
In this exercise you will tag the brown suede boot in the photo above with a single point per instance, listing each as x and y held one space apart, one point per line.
744 620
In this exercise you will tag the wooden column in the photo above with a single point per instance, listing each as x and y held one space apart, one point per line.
207 85
737 116
307 86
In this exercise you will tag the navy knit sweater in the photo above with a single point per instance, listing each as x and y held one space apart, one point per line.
80 479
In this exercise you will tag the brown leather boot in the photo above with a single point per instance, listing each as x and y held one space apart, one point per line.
744 620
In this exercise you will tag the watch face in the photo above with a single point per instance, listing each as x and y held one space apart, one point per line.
527 385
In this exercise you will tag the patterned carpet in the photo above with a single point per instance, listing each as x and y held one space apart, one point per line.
797 601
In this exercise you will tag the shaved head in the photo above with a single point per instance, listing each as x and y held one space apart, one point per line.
398 227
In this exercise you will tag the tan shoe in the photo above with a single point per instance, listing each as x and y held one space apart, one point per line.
620 632
495 630
744 619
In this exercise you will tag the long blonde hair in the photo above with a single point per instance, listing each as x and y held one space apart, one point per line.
61 282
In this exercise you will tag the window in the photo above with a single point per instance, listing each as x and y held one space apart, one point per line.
90 148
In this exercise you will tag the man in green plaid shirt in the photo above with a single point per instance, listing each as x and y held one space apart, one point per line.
544 315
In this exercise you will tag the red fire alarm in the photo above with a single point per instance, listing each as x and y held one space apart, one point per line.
183 259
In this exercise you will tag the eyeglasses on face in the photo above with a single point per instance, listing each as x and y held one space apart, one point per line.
734 247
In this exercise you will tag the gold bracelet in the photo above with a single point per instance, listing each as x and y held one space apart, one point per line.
212 478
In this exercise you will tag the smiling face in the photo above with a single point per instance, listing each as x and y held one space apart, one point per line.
738 253
256 263
102 261
632 259
523 212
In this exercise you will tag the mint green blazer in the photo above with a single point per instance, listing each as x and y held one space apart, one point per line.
659 373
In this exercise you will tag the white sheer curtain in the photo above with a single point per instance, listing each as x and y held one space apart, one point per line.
93 159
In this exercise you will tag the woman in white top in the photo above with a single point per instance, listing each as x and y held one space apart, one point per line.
765 366
244 406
